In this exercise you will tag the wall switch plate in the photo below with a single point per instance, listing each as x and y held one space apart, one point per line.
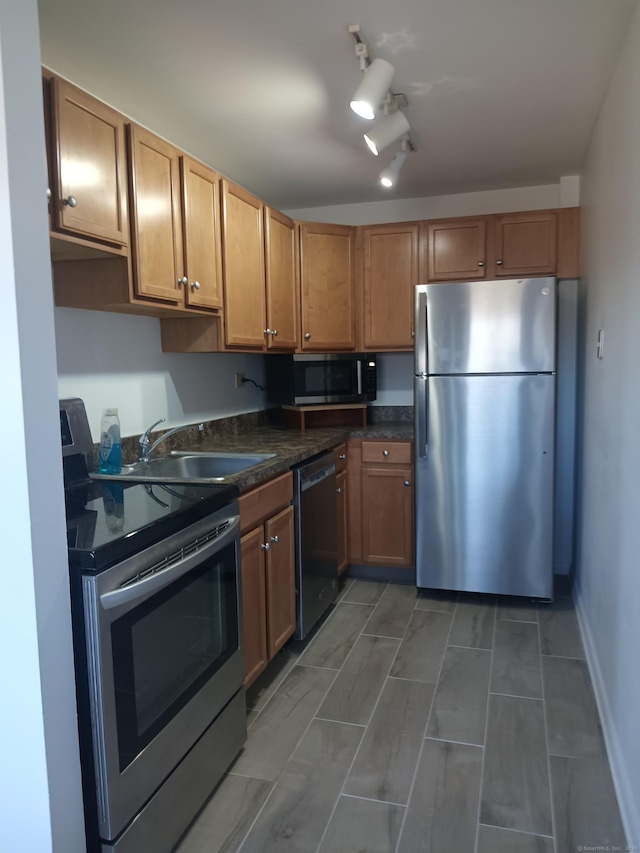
600 344
240 378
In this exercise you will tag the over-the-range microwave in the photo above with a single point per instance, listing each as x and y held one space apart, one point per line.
304 379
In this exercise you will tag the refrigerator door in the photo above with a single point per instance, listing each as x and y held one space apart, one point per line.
504 326
484 496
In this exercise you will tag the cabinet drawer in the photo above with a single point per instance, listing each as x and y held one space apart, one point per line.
265 500
392 452
341 458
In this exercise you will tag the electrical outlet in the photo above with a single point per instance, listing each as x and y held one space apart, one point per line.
240 377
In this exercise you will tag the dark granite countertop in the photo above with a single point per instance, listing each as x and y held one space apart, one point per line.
291 446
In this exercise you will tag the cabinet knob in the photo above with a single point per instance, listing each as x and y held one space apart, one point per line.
275 539
48 193
339 491
342 456
385 452
265 546
407 483
195 285
182 281
499 263
70 202
480 263
413 334
267 331
307 336
274 333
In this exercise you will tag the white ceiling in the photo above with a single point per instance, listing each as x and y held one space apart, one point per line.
501 93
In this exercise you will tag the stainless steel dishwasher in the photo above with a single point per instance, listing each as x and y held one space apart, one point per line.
316 516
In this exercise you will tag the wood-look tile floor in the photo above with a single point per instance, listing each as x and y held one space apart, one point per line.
421 722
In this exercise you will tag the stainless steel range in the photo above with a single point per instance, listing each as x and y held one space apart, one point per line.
157 635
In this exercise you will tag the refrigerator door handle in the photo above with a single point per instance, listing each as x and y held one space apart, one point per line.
421 408
421 355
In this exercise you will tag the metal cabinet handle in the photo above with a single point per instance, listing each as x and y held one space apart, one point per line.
307 336
275 539
385 452
342 456
265 546
339 491
183 281
195 285
499 263
407 483
70 202
480 263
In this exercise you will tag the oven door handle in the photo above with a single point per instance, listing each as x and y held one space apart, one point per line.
156 581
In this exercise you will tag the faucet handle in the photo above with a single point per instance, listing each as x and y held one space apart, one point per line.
144 438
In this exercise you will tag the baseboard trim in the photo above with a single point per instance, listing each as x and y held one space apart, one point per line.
385 574
628 806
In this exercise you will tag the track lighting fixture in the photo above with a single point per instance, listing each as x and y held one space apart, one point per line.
373 88
389 176
392 127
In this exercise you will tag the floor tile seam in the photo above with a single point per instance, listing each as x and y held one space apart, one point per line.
519 831
415 680
341 722
410 794
319 631
369 603
527 621
373 800
458 742
383 636
277 779
344 782
563 657
257 714
486 729
473 648
358 603
515 696
546 741
248 776
315 666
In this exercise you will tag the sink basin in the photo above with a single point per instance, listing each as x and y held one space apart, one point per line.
188 467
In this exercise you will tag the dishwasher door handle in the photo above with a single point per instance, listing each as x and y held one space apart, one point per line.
317 477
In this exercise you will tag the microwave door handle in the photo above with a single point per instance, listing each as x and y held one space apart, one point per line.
159 580
359 376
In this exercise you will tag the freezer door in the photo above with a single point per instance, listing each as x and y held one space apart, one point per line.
491 326
484 496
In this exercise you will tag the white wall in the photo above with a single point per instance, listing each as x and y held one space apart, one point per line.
435 207
40 795
116 360
608 579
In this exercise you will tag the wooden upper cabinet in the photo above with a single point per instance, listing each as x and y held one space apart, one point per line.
390 271
158 266
526 243
244 269
327 268
456 249
281 280
89 193
201 225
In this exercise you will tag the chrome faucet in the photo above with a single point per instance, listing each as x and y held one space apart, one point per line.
146 448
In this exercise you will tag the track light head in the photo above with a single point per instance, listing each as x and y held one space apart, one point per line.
373 88
389 130
389 176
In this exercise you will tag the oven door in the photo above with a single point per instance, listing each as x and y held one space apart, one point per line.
164 657
330 378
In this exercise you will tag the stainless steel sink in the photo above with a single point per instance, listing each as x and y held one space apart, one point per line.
180 467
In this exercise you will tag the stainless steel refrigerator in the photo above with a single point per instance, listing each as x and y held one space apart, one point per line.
485 388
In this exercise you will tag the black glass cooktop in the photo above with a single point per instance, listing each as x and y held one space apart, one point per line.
108 521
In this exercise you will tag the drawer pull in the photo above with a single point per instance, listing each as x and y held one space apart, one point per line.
385 452
275 539
407 483
342 456
265 546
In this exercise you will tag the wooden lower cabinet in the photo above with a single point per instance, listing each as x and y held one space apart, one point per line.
268 575
380 503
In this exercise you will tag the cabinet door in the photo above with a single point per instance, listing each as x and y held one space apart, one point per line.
158 266
90 192
281 597
390 266
254 607
327 287
243 266
203 250
343 542
387 516
456 249
525 244
281 280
